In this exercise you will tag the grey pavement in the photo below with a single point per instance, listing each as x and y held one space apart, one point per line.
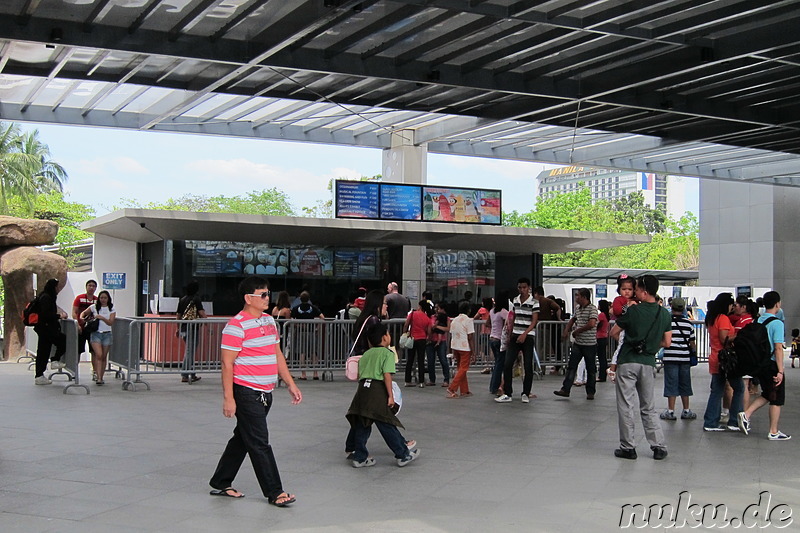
140 461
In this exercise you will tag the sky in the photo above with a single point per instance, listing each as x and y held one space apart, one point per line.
106 166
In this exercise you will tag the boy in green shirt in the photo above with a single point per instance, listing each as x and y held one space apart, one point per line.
374 403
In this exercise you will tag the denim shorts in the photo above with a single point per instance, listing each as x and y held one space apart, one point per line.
677 379
103 339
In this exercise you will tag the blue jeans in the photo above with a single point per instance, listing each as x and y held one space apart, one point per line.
360 435
499 363
438 350
714 406
250 437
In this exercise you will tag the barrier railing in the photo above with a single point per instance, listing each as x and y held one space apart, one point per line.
157 346
71 357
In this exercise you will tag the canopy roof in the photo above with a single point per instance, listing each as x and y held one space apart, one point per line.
145 225
691 88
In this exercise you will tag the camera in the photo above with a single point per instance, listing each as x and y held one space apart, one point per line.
638 347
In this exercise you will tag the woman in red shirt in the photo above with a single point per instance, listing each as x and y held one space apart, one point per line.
720 330
418 324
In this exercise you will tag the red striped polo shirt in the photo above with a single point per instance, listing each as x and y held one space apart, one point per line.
256 340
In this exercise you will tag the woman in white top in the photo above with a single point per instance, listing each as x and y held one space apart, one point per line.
103 311
462 333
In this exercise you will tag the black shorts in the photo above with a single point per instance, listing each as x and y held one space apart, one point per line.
774 394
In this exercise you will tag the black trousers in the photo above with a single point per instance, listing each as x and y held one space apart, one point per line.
49 336
250 437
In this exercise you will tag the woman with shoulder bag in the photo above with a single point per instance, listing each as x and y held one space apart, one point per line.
418 325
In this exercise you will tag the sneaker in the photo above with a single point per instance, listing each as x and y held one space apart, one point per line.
561 392
411 444
744 423
421 385
590 396
659 453
780 435
42 380
56 364
525 398
408 385
668 415
350 456
718 428
413 454
688 414
369 461
733 428
505 398
624 453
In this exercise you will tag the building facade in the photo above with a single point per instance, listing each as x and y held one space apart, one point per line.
605 184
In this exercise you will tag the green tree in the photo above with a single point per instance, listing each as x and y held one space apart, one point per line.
26 168
674 245
263 202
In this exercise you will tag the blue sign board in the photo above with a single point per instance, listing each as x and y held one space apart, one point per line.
602 290
113 280
401 202
356 199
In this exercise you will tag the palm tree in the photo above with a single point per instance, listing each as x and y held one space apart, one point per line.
26 167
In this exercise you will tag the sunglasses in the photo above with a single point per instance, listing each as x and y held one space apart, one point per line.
263 295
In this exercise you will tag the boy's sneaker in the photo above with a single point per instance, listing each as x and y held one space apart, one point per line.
42 380
718 428
525 398
668 415
413 454
56 364
688 414
744 423
369 461
505 398
780 435
733 428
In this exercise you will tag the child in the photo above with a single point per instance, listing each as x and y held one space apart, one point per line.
625 289
795 345
374 403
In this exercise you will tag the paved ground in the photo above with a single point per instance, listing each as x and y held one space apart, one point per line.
140 461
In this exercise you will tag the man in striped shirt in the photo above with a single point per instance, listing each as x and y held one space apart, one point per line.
585 346
252 362
526 315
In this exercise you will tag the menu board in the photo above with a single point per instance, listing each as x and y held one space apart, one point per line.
400 202
447 204
265 260
355 263
356 199
394 201
217 258
311 262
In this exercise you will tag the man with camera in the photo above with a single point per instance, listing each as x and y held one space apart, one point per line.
647 328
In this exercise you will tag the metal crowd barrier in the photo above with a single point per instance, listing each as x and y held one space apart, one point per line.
156 346
72 357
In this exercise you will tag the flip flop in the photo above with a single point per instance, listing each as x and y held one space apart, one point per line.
226 493
283 500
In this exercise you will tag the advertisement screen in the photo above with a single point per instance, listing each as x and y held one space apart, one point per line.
212 258
448 204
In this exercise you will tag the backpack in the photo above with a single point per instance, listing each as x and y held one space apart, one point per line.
190 313
30 315
750 352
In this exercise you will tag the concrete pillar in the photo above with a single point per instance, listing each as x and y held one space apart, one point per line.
406 162
748 236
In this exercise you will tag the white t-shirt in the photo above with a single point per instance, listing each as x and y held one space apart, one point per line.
460 327
106 313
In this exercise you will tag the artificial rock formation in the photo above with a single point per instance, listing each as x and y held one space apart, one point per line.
18 260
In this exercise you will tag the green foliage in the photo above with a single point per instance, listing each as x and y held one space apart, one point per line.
264 202
675 245
26 169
